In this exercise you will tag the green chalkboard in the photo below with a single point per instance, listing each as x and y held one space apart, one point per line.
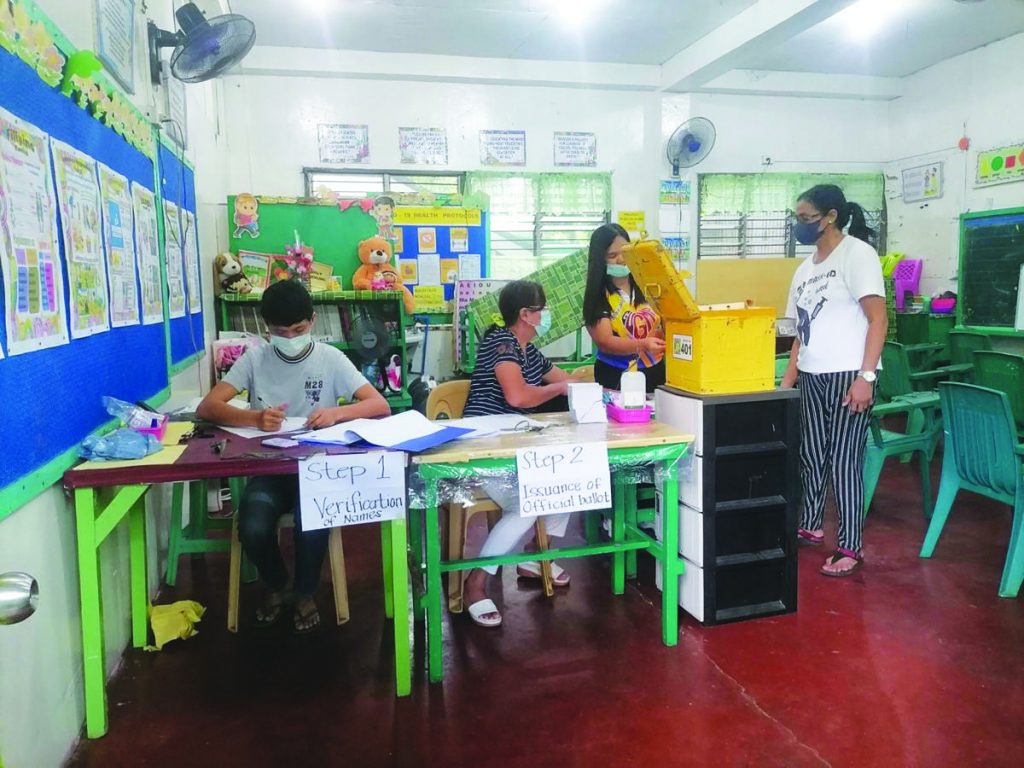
333 234
991 256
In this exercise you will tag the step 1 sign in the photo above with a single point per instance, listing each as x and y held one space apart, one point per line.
351 488
563 478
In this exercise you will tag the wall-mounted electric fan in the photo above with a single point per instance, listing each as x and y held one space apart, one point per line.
203 48
690 143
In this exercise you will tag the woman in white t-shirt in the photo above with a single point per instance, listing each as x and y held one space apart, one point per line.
838 299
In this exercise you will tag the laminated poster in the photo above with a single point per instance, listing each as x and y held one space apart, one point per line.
122 263
191 237
423 146
148 248
449 271
459 237
175 261
469 266
502 148
32 271
573 148
78 194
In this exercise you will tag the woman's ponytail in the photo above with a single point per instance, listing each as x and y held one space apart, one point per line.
858 223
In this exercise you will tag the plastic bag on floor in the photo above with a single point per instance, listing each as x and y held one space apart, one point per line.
174 622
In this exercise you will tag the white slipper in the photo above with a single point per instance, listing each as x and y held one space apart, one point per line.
531 570
481 608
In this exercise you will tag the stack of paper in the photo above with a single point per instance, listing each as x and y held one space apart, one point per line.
486 426
410 431
290 424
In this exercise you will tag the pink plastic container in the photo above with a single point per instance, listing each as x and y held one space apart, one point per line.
157 431
629 415
943 306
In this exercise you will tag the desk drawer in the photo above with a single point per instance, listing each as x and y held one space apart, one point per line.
691 482
691 531
691 589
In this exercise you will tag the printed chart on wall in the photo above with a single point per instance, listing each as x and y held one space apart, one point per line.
122 265
79 196
195 296
148 244
32 272
437 247
175 259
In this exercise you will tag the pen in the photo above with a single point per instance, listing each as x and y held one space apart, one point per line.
219 446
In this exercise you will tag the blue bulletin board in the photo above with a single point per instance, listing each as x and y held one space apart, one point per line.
52 397
455 239
178 185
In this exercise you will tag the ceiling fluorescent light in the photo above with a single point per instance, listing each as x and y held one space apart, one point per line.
576 13
865 19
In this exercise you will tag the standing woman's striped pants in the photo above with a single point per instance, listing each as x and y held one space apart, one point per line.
832 440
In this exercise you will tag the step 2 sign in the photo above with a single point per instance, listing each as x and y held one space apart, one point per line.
351 488
563 478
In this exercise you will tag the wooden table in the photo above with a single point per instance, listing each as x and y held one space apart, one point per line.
629 446
105 493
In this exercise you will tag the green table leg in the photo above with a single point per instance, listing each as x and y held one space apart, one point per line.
91 613
618 536
197 512
592 526
631 519
671 563
419 604
139 587
176 534
399 588
433 585
388 562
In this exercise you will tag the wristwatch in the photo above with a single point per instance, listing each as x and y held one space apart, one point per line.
868 376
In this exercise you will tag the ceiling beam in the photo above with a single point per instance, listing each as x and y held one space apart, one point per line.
751 82
764 25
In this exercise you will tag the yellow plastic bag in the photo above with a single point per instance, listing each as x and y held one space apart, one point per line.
173 622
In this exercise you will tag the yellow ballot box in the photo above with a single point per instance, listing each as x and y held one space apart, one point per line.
718 350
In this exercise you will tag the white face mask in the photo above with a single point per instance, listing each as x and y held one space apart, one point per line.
293 346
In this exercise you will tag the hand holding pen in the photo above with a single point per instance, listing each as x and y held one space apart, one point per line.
270 418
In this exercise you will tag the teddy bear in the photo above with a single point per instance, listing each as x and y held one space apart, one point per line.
377 273
227 266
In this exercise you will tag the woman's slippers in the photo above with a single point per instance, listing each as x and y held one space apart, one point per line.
842 554
809 538
271 610
306 618
531 570
485 613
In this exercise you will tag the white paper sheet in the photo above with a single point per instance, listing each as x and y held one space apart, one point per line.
148 249
485 426
290 424
192 279
175 260
429 269
469 266
122 263
394 430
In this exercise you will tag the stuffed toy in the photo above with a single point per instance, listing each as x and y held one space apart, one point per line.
238 284
225 266
376 272
247 217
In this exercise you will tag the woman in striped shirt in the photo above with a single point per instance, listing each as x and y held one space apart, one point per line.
512 376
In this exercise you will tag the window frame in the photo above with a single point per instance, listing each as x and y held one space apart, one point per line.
385 175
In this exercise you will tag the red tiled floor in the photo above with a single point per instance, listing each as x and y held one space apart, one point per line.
908 663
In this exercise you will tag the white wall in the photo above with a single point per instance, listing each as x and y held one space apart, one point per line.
41 697
982 91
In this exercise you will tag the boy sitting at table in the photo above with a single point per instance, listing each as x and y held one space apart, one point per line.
293 376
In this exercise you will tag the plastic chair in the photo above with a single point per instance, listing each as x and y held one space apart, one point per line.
193 539
335 553
884 443
781 364
447 401
981 455
907 277
1003 372
963 344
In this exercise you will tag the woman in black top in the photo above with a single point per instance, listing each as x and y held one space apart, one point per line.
512 376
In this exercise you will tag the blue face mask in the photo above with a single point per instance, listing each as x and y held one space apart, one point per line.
291 347
545 322
807 232
617 270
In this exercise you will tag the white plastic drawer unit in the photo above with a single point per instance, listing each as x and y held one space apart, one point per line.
691 588
691 531
683 413
691 481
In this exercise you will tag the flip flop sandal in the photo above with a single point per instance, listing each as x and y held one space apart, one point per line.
482 608
809 539
304 617
839 554
531 570
267 615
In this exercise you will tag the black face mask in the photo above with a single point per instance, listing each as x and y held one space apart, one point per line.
807 232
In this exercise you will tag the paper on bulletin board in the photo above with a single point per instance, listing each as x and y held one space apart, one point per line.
351 488
192 279
407 268
427 237
399 240
633 221
563 478
148 249
32 270
175 258
428 296
469 266
78 194
458 239
122 264
445 217
449 271
430 269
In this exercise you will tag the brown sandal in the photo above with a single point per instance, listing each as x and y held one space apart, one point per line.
838 555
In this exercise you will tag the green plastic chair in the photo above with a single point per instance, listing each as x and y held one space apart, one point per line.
1005 373
884 443
981 455
963 344
781 364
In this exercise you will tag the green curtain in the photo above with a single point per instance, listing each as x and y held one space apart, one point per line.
725 193
544 193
